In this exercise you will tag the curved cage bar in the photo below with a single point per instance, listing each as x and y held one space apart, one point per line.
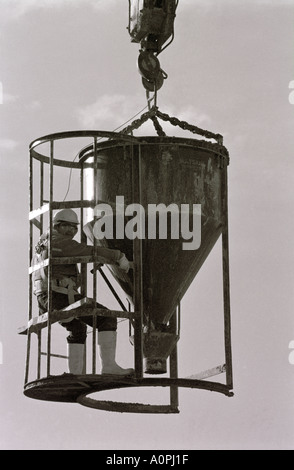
143 170
76 389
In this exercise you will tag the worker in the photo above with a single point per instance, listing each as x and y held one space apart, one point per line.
64 284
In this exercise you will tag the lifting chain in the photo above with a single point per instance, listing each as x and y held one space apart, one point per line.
158 127
194 129
154 112
138 122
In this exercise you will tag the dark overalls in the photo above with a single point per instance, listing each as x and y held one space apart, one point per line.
63 247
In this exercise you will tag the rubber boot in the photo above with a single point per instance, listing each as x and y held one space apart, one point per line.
107 350
75 358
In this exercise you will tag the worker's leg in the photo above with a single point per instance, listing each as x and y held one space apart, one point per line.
107 351
107 336
76 345
75 341
76 328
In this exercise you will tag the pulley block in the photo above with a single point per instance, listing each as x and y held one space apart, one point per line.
148 65
151 85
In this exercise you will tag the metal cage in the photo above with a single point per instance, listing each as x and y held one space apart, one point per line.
69 388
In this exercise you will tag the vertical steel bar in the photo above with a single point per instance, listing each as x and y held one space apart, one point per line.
173 365
31 195
41 193
137 271
51 168
83 237
130 321
41 202
226 281
95 195
27 366
39 354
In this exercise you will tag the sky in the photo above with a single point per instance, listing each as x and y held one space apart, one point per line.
69 65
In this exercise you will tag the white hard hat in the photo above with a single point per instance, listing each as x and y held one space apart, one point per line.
66 215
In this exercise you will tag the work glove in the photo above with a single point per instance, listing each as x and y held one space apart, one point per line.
124 263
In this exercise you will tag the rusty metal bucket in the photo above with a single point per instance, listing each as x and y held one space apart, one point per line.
175 171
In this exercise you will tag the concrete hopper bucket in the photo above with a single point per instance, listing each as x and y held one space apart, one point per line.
182 202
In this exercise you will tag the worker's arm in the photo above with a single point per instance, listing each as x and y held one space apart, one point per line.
110 256
102 255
